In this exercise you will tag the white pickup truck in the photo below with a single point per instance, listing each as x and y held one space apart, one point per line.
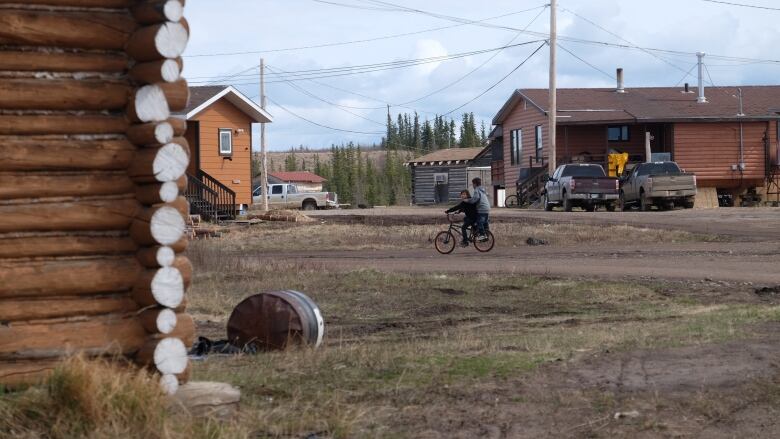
287 196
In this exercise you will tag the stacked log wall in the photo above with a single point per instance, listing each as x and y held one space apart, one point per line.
92 166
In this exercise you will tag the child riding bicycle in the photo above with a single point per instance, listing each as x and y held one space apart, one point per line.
470 212
482 203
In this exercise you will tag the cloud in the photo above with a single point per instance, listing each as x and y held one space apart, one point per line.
250 25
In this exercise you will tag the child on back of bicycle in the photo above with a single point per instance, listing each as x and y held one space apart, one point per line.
470 212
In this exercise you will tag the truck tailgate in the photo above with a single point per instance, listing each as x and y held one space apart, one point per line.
594 185
673 182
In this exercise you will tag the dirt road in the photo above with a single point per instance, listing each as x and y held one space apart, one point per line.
751 254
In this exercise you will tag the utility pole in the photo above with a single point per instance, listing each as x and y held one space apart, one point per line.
263 152
552 112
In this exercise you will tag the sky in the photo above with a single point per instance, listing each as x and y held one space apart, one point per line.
228 36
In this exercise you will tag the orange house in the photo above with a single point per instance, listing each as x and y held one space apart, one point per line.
219 132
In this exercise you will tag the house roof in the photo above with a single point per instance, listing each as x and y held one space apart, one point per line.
299 176
202 97
448 155
650 104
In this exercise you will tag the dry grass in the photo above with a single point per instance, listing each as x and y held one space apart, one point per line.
280 237
100 399
397 342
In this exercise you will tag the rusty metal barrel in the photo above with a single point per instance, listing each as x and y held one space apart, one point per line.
275 320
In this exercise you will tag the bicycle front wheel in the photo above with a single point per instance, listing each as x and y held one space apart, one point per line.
445 242
512 201
485 244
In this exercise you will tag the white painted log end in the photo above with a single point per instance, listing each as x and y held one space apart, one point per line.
171 40
169 384
151 104
170 71
170 356
163 132
168 287
173 10
170 163
166 321
165 256
167 225
169 191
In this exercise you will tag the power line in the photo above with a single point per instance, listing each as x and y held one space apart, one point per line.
373 133
339 106
369 68
586 62
686 75
743 5
498 82
481 65
366 40
565 38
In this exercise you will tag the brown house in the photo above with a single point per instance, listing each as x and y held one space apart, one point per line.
219 132
726 148
305 181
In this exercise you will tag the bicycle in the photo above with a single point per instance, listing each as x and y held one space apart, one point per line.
445 240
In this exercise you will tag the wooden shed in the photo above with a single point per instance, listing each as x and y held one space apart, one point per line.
438 177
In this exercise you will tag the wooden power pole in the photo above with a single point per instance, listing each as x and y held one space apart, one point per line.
552 116
263 152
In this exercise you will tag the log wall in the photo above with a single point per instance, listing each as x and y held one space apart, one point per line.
91 221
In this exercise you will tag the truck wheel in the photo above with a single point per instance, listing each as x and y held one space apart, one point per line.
309 205
644 203
688 203
547 206
611 207
567 204
590 207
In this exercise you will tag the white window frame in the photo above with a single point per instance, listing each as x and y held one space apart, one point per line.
222 150
516 146
539 130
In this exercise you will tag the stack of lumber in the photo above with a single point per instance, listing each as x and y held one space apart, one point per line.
91 217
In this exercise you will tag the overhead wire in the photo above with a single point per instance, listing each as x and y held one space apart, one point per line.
365 40
585 62
496 83
285 109
744 5
495 54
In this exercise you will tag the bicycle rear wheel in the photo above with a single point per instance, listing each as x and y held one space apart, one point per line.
444 242
512 201
486 244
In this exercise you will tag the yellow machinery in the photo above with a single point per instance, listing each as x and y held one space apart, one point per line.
617 163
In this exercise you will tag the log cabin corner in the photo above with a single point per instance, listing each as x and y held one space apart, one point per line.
219 132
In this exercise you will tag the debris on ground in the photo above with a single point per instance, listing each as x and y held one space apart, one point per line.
631 414
292 216
534 241
765 291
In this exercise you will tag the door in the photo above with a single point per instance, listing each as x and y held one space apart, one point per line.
631 188
292 200
276 196
553 186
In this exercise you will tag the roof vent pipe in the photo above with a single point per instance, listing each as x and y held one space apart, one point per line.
687 88
620 88
701 99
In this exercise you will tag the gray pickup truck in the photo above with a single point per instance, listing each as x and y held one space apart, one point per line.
660 184
580 185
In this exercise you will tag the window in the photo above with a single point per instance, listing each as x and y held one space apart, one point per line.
291 189
539 142
277 189
225 141
515 146
617 133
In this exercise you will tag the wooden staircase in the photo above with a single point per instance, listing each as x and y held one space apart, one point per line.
209 198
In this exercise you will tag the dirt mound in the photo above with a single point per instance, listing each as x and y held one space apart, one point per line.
293 216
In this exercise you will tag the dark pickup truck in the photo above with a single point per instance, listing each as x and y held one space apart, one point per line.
581 185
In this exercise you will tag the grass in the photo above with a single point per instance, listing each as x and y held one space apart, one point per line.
317 236
397 341
100 399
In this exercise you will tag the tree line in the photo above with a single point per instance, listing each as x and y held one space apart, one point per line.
408 133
